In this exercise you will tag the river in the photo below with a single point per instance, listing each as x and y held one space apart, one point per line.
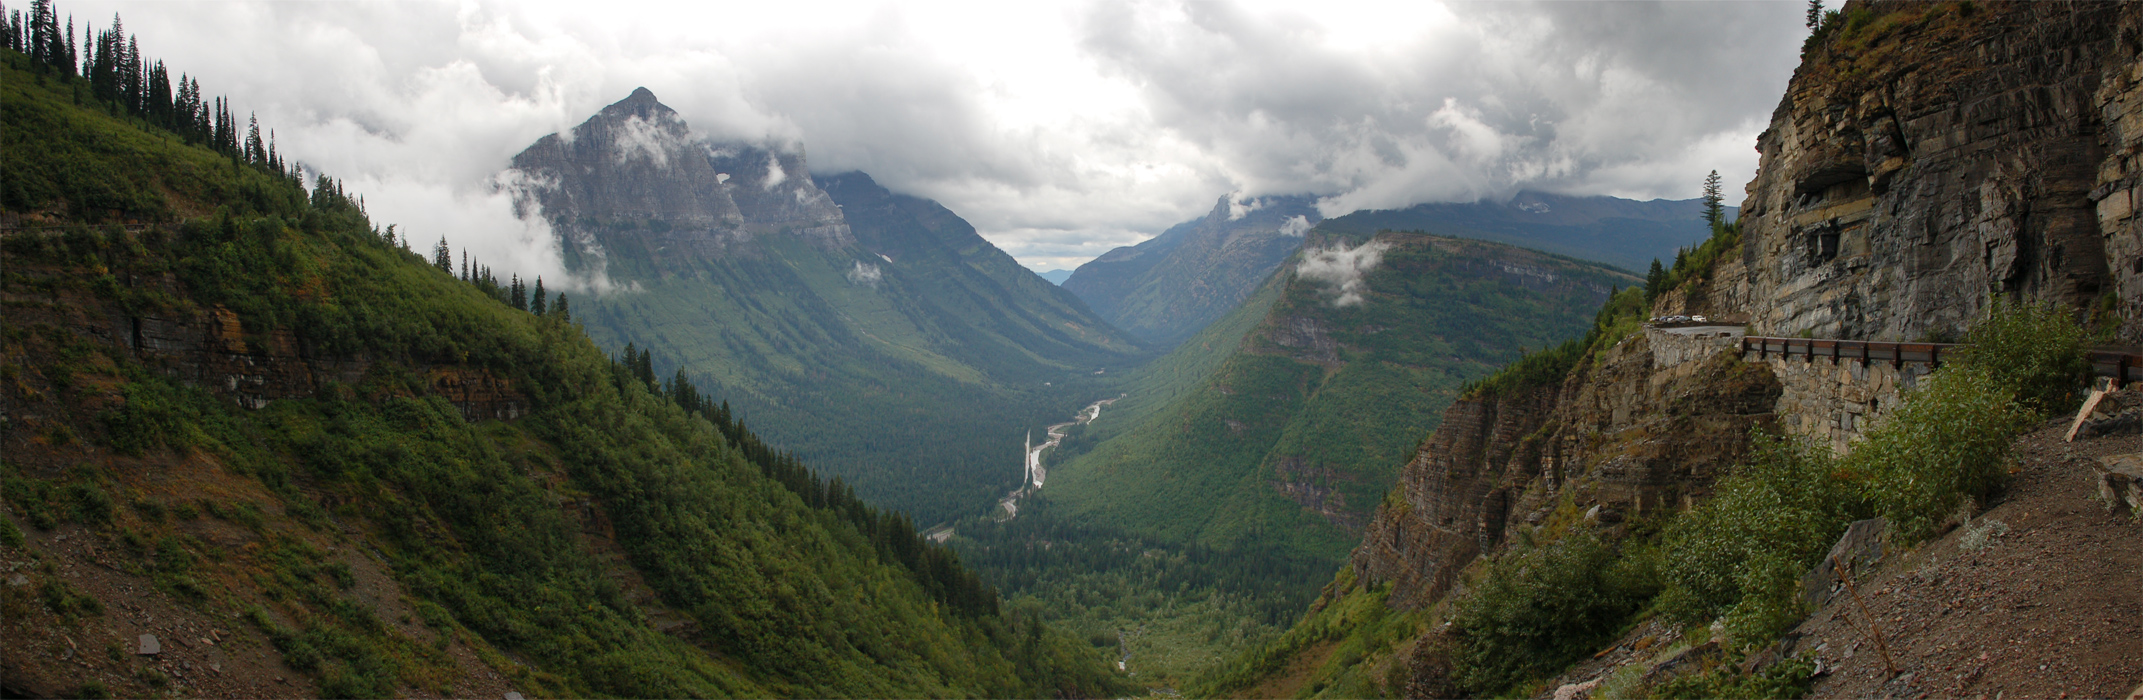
1035 473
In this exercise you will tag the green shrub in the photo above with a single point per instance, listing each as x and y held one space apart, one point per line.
1786 679
1540 608
155 415
1743 552
10 536
91 504
2032 352
1949 442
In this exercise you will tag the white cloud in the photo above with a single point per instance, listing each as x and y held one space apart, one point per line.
1342 268
775 175
1060 129
1295 226
643 139
866 274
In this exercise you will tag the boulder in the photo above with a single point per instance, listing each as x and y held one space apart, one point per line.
2120 482
1857 551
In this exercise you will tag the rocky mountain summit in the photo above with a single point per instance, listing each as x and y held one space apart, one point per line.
634 177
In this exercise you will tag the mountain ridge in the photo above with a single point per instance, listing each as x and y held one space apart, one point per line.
1168 287
875 334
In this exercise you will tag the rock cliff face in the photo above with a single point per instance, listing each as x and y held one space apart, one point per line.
635 177
1630 435
1926 155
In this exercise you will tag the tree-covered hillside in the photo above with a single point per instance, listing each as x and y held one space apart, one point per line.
1293 439
243 420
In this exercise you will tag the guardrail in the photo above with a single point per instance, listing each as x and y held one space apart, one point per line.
2122 366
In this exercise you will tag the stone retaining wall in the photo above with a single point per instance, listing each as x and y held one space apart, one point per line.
1834 403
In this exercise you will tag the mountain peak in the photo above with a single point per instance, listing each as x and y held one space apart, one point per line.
641 103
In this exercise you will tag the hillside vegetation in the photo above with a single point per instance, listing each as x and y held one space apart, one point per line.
1294 437
379 479
1202 511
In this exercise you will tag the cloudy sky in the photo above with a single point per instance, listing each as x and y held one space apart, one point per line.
1060 129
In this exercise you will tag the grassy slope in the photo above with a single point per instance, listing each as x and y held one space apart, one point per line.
1201 468
790 599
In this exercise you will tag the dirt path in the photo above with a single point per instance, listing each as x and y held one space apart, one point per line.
2039 597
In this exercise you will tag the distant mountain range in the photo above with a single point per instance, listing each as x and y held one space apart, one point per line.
874 334
1166 289
1056 276
1622 232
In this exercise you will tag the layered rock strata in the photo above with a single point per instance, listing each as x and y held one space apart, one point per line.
1630 434
1928 155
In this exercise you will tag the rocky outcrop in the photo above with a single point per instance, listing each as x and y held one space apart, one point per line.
1627 434
1927 155
252 367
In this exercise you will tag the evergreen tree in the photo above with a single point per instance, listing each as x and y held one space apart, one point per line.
519 295
1653 280
256 150
1714 208
1815 14
443 257
537 304
559 308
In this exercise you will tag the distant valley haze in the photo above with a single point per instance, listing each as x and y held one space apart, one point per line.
1060 130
